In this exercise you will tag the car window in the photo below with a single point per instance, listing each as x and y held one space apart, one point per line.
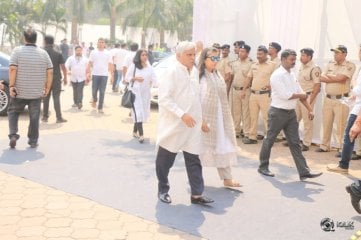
4 60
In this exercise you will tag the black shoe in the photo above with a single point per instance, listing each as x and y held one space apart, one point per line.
164 197
33 145
80 105
249 141
61 120
304 148
260 137
266 172
44 119
338 154
310 175
12 143
355 200
320 150
285 144
355 156
201 200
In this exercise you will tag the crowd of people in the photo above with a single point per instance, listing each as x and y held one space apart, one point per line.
206 101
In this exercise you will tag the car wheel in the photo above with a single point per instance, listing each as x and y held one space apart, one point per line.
4 100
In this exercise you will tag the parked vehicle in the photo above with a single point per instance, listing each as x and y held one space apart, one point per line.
4 76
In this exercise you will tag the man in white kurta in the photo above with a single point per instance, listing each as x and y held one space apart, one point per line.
179 127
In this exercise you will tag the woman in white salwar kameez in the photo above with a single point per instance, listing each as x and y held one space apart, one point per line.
218 136
142 75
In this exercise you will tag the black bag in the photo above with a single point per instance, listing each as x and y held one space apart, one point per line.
128 97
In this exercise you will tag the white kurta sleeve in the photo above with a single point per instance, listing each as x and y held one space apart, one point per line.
167 89
129 74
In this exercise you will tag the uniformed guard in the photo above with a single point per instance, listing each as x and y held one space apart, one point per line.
273 50
240 106
309 79
258 79
224 67
337 75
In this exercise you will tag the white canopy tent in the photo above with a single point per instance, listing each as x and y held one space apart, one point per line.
319 24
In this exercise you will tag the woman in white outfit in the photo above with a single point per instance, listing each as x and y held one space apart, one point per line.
142 76
218 136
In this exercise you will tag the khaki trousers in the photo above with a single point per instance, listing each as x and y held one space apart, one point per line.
257 103
302 114
240 111
333 111
225 173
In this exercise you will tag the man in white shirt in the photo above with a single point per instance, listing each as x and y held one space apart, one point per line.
99 66
119 54
129 58
76 66
286 91
179 126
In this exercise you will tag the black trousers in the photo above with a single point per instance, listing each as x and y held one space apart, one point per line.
286 120
165 160
77 92
138 128
55 92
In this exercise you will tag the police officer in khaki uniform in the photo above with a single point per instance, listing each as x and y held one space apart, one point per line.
309 79
239 105
224 67
258 79
337 76
273 50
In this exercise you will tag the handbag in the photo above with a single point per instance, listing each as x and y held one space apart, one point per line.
128 97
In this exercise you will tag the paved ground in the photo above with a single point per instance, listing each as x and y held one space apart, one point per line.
90 180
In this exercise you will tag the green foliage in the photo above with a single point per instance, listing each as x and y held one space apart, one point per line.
164 15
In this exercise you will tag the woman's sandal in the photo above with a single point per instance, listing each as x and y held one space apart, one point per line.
231 183
141 139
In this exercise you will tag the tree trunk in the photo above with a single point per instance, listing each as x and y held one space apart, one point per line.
74 29
161 36
143 39
113 20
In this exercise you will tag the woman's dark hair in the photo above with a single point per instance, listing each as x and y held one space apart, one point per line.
202 59
136 60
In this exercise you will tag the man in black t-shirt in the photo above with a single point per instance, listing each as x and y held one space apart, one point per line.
58 62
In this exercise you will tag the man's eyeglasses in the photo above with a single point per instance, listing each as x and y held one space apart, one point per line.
214 58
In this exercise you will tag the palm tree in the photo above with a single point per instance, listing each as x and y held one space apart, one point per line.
160 14
78 8
112 8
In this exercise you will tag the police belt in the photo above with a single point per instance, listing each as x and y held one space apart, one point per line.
239 88
337 96
260 92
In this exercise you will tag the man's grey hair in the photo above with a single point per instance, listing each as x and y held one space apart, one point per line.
184 46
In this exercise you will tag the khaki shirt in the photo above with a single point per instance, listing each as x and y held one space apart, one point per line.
240 71
347 69
223 67
277 61
261 74
308 76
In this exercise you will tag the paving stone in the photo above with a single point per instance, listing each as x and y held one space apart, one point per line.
31 221
85 233
31 231
58 232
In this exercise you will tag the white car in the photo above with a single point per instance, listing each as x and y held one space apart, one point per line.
160 68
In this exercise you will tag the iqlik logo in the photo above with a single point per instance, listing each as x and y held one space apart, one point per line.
328 225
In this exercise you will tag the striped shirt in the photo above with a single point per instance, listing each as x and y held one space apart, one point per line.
32 64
